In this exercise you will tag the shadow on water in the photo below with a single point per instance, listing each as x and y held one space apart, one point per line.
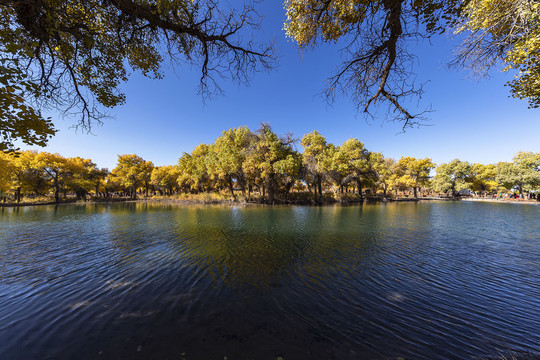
137 280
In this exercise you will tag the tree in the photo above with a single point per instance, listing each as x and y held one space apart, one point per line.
288 169
132 172
18 121
26 177
452 176
504 31
98 178
57 169
482 178
194 169
165 179
335 165
417 169
81 180
73 55
359 165
528 163
384 168
315 148
377 66
229 155
271 158
523 173
7 169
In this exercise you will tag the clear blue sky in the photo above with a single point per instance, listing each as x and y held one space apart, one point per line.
473 120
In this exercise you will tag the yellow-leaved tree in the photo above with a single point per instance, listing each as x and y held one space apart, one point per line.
507 31
73 55
132 172
378 67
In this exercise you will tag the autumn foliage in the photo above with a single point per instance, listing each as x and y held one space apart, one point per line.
262 166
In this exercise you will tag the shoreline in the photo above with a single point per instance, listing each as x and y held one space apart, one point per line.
502 200
243 202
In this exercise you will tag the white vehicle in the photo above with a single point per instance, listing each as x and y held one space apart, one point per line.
466 192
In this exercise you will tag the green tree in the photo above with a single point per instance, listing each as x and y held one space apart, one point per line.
270 160
335 164
384 168
315 150
193 169
288 169
73 55
452 176
229 155
523 173
359 166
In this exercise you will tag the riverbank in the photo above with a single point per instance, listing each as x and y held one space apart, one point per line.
502 200
222 199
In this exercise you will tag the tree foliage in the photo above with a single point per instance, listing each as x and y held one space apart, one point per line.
507 31
132 172
263 166
74 55
377 65
453 176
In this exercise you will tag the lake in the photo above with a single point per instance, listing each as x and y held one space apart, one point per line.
433 280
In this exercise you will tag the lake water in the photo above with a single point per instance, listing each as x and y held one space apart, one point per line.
438 280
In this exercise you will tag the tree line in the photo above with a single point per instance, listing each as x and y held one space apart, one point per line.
264 166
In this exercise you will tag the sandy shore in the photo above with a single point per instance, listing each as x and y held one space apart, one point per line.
502 200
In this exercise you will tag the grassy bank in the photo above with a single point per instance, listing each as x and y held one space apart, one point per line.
296 198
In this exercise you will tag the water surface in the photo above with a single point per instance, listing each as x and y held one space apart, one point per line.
438 280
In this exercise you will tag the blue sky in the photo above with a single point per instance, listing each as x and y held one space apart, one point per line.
473 120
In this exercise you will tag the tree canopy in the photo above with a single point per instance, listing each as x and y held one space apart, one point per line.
377 65
74 55
264 166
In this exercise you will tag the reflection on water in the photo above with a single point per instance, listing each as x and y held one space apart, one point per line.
134 280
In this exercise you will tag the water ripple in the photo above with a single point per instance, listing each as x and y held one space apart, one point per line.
418 281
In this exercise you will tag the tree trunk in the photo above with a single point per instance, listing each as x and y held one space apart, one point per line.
56 191
271 190
288 189
319 187
18 195
359 184
230 183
